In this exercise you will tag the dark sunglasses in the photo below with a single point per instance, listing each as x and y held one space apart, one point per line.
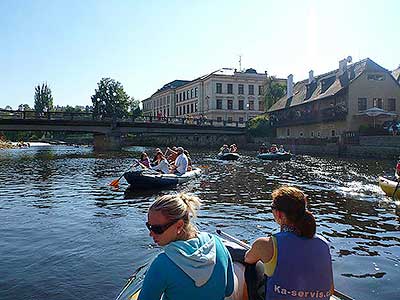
160 229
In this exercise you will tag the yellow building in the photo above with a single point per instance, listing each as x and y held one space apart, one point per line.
328 105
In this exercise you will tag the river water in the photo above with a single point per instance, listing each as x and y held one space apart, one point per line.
66 234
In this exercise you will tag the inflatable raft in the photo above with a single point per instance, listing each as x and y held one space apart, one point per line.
389 187
228 156
145 180
131 289
275 156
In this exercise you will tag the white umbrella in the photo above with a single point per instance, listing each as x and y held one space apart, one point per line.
376 111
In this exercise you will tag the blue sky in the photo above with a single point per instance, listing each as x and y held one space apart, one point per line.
72 44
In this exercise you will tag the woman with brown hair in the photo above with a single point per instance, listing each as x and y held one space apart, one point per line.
297 262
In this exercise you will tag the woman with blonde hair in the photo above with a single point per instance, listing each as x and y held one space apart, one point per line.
296 261
194 265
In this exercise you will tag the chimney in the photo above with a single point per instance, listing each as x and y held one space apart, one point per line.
289 86
342 66
310 76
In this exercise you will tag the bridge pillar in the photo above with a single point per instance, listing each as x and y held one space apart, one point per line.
107 142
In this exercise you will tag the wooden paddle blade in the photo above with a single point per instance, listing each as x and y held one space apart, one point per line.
114 182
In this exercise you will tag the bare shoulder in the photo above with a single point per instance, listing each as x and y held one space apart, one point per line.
262 249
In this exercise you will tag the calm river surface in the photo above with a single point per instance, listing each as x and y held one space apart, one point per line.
66 234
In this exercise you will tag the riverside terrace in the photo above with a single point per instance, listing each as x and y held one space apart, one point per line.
108 131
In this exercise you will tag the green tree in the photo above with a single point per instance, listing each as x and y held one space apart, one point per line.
134 107
23 107
273 91
43 98
260 127
110 100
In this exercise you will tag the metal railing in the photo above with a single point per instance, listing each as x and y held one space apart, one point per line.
84 116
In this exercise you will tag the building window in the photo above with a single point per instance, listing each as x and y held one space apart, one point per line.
251 89
319 133
240 119
301 133
230 104
219 103
191 93
219 88
180 110
377 102
230 119
195 92
288 131
391 104
312 133
241 104
176 97
333 132
261 105
260 90
187 94
230 88
180 97
195 106
241 89
362 104
184 109
251 105
167 112
378 77
191 107
219 119
168 99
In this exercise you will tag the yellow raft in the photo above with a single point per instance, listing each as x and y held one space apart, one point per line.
389 186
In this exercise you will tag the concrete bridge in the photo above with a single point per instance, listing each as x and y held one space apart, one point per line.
109 132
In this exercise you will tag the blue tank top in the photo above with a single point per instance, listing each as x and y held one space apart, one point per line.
303 269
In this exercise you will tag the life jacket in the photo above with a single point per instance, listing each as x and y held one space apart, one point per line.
303 269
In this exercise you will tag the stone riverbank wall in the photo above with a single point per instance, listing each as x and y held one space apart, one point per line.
382 147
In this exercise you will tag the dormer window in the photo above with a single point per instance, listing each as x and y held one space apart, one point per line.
326 83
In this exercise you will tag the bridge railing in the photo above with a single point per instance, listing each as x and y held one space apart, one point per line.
84 116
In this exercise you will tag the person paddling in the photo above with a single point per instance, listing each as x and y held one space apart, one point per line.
194 265
297 261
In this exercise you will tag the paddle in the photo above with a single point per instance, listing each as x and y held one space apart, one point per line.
115 182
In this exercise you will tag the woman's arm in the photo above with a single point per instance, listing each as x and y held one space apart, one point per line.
262 249
155 282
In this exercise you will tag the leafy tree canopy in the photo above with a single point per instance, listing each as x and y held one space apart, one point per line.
134 105
273 91
110 100
260 127
43 98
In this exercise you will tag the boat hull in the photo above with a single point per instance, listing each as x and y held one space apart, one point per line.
275 156
389 187
228 156
145 181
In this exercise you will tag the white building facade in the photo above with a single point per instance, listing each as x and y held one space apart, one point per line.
225 95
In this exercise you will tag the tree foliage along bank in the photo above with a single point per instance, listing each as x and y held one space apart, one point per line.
260 127
43 98
110 100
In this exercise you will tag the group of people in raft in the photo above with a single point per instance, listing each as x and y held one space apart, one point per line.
175 160
296 262
228 149
273 149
